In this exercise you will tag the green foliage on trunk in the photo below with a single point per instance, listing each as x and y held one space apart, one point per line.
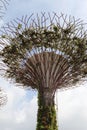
46 116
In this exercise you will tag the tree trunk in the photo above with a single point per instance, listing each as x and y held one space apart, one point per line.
46 118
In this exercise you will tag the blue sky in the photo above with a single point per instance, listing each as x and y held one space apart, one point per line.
21 109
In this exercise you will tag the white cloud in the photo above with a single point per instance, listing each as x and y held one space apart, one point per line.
19 112
72 106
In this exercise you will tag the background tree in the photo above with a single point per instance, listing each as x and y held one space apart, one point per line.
45 53
3 7
3 97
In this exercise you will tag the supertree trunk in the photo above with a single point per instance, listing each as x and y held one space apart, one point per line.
46 119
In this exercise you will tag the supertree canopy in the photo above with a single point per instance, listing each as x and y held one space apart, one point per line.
45 53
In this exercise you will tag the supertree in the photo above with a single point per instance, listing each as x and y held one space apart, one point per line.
44 53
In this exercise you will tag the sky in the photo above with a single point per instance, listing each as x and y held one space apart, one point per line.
20 112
